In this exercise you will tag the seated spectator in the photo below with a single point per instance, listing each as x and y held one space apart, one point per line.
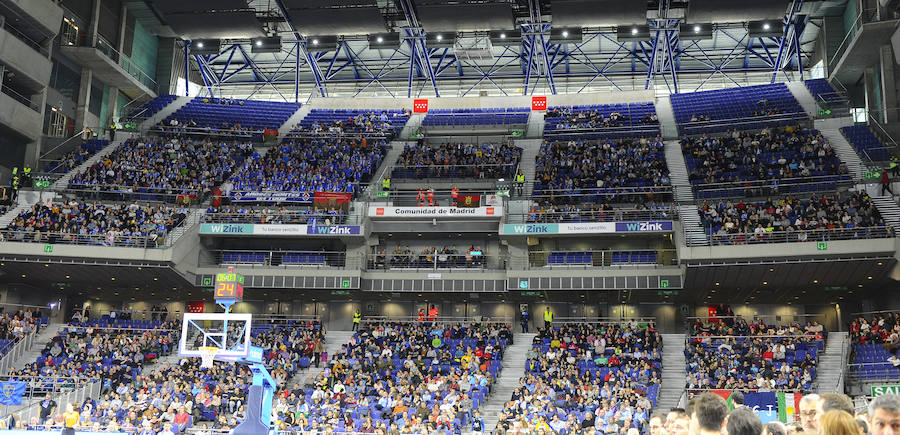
773 154
601 377
275 215
752 355
156 165
370 123
74 158
77 222
788 219
429 257
312 165
575 169
879 328
546 212
406 377
459 160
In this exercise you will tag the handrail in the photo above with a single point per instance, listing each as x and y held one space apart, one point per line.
797 236
76 135
601 319
745 120
614 215
25 101
839 51
873 312
22 236
806 335
439 319
17 351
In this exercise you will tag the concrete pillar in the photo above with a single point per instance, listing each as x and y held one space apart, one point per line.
84 99
95 22
871 87
120 44
112 109
888 87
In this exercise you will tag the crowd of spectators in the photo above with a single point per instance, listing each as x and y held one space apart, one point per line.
772 154
409 377
312 165
367 123
546 212
792 219
580 167
275 215
880 328
459 160
430 257
15 325
587 378
77 156
153 398
732 353
164 166
119 224
572 119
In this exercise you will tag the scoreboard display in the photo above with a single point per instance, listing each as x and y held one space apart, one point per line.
229 286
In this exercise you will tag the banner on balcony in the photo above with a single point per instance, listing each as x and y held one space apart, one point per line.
293 197
588 228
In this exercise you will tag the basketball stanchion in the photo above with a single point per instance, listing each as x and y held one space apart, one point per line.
226 337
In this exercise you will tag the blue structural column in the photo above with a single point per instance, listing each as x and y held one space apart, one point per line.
786 39
187 67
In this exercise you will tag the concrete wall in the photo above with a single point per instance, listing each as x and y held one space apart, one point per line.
483 102
19 117
45 13
24 59
835 247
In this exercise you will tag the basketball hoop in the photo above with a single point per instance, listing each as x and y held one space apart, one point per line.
207 356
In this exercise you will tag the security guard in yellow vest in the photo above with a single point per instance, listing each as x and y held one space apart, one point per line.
895 166
548 318
357 316
520 183
26 176
386 184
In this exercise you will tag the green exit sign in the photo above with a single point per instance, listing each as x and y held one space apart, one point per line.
531 293
207 281
663 283
824 112
340 292
821 246
880 390
667 293
872 175
345 283
523 284
48 248
41 184
382 194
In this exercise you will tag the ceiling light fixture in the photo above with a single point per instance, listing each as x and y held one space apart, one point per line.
380 40
565 33
503 36
438 37
259 43
766 26
696 29
199 45
634 31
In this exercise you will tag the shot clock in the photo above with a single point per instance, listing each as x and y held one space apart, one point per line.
229 286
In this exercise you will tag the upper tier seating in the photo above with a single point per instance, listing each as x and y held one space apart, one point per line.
575 170
550 213
867 145
486 160
245 118
732 353
601 121
273 215
823 93
159 169
381 123
602 376
151 107
407 377
746 108
325 164
820 217
791 159
73 158
485 116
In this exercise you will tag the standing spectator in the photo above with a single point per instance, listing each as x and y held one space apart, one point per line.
885 183
884 415
837 422
742 421
708 414
809 406
524 318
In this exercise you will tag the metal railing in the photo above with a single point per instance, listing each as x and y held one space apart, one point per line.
140 315
645 130
499 320
17 351
79 136
490 172
280 217
781 318
773 187
864 16
6 24
600 320
461 261
26 101
107 240
589 215
286 258
306 134
817 235
62 390
181 130
112 192
871 372
734 123
123 61
595 258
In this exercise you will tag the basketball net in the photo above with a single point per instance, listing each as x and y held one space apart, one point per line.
207 356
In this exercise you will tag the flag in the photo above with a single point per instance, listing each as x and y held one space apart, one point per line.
195 307
726 394
788 406
11 392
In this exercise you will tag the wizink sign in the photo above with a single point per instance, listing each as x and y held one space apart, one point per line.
226 229
279 230
332 229
588 228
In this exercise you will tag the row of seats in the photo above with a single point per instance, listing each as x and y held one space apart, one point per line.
460 119
822 91
641 257
251 115
151 107
263 258
865 142
570 258
721 107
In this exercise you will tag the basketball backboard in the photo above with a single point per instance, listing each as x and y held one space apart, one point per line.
209 329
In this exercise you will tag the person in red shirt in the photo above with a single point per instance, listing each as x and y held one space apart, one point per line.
432 313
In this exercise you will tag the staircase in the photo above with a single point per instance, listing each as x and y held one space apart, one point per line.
292 121
694 233
164 113
11 214
830 368
63 182
41 340
678 172
530 150
412 125
831 130
513 370
387 165
190 220
804 97
535 126
333 342
673 374
888 208
666 115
